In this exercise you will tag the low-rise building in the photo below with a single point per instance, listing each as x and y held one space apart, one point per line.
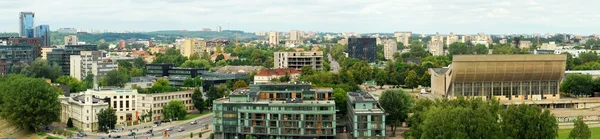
366 116
280 110
266 75
82 108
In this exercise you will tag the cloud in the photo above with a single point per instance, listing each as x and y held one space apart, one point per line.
422 16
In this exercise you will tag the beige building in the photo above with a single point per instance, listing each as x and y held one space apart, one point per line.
466 38
437 37
45 51
89 62
436 48
156 101
525 44
403 37
390 47
545 46
273 38
71 40
451 39
82 109
506 77
266 75
297 60
193 46
294 35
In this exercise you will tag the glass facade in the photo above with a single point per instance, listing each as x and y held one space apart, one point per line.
43 32
506 89
26 24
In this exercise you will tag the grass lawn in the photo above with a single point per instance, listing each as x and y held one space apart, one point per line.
564 133
41 134
192 116
72 129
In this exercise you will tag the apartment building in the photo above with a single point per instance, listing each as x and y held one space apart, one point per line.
10 55
62 56
71 40
193 46
451 39
279 110
436 48
390 47
403 37
154 102
273 38
297 60
89 62
366 116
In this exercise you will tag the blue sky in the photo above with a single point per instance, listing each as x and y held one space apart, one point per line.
362 16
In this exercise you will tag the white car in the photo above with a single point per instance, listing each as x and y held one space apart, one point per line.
423 91
180 129
193 122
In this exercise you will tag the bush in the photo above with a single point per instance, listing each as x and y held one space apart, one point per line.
199 135
212 136
53 131
191 134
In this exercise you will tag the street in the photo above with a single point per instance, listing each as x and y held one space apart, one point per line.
158 131
335 66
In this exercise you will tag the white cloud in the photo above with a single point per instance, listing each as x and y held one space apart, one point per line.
428 16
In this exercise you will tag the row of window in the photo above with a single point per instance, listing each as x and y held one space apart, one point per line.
505 88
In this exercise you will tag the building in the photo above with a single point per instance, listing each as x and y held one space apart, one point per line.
237 69
573 52
26 24
436 48
10 55
67 30
36 43
226 56
366 116
122 44
548 46
507 77
297 60
273 38
451 39
390 47
156 50
466 38
403 37
266 75
71 40
177 75
193 46
279 110
525 44
89 62
218 29
294 35
154 102
62 56
362 48
437 38
43 32
82 108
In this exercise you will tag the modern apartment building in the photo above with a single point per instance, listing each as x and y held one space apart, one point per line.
42 32
297 60
273 38
193 46
62 56
10 55
279 110
26 24
89 62
362 48
71 40
294 35
390 47
36 43
366 116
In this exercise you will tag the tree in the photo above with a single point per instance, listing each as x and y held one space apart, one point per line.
220 57
528 121
139 62
88 81
193 82
411 80
418 52
198 100
340 100
239 84
480 49
397 105
74 84
578 84
175 109
106 119
285 78
221 63
202 63
306 70
212 94
70 122
115 78
161 85
588 57
581 130
194 56
28 103
171 56
199 135
425 80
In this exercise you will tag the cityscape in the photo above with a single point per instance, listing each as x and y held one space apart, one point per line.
257 78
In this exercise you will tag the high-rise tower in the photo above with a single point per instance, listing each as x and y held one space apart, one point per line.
26 24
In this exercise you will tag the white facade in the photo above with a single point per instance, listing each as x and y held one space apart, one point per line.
268 78
82 108
89 62
573 52
273 38
390 47
548 46
297 60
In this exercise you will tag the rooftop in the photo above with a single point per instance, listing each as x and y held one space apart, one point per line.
360 96
278 72
81 98
440 70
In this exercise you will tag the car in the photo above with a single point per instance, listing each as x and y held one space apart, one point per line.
149 131
117 136
169 129
180 129
423 91
193 122
131 134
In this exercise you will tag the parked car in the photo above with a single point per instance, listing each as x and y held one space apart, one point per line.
372 88
81 134
193 122
131 134
180 129
170 129
423 91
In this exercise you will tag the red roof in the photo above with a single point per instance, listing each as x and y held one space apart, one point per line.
279 72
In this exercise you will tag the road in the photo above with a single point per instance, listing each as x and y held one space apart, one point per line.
335 66
158 131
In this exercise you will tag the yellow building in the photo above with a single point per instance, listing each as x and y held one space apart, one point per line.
507 77
191 46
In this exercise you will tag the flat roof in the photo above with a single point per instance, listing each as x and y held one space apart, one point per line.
361 97
523 57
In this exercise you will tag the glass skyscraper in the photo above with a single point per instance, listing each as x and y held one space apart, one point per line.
42 31
26 24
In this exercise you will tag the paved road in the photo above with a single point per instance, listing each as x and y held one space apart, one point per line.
158 131
335 66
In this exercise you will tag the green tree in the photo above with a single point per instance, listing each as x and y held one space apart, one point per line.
191 135
194 56
285 78
212 94
458 48
193 82
425 80
411 80
74 84
171 56
219 57
197 64
340 100
528 121
397 104
198 100
257 57
107 119
221 63
581 130
28 103
239 84
175 109
115 78
578 84
139 63
306 70
588 57
418 52
70 122
199 135
161 85
88 81
381 76
480 49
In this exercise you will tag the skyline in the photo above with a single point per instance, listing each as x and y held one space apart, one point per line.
377 16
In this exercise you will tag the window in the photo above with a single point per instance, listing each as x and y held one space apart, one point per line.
88 111
87 117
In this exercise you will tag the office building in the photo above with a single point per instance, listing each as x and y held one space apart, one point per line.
10 55
273 38
403 37
267 75
71 40
43 32
297 60
366 116
155 102
26 24
507 77
62 56
525 44
362 48
89 62
390 47
279 110
193 46
36 43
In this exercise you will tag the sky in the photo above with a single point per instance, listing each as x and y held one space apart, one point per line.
360 16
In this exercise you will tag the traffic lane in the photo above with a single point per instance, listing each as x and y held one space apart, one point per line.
186 126
143 131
